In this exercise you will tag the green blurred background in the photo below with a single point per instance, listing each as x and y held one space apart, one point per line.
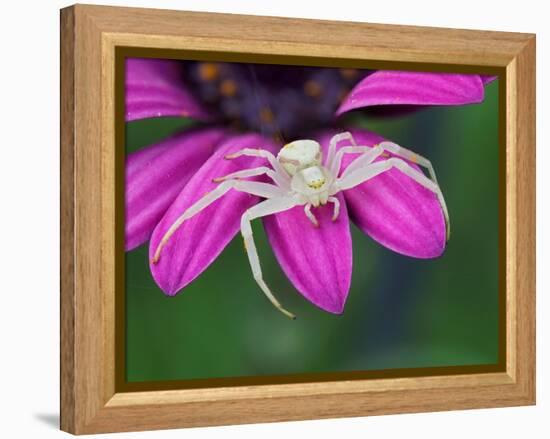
401 312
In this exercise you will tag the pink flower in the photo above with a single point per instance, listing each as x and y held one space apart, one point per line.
164 180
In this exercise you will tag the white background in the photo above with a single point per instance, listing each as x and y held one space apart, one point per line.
29 186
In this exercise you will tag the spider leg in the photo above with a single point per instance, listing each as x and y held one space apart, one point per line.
424 162
367 172
267 207
253 172
407 154
410 156
336 203
263 153
264 190
310 215
334 141
368 154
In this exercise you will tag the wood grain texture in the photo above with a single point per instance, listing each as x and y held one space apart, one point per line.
231 32
67 254
525 287
90 34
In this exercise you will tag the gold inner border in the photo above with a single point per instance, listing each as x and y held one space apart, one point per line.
122 385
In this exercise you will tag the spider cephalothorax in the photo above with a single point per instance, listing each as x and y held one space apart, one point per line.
302 178
301 159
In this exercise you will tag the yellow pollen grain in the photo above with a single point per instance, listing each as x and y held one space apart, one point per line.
349 73
228 88
208 71
342 95
278 138
266 115
414 159
236 123
313 89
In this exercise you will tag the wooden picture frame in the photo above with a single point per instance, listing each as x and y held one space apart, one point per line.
91 401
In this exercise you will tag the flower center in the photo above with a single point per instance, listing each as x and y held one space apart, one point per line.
284 102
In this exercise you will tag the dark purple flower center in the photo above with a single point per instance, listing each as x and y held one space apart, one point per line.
285 102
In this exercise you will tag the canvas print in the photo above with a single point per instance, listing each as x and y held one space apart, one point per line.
294 220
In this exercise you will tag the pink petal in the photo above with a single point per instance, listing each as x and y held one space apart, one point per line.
393 209
199 240
155 175
318 261
155 88
486 79
388 87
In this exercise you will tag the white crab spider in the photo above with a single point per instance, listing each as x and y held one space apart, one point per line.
300 178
